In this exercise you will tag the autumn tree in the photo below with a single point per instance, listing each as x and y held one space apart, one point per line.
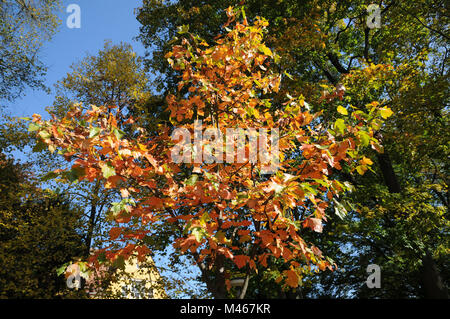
233 212
329 47
115 77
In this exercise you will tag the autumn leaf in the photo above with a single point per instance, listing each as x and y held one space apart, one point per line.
108 170
292 278
366 161
313 223
385 112
342 110
94 132
241 260
124 192
115 232
340 126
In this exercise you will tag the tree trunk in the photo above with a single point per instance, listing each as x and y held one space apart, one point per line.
431 278
432 282
215 279
387 170
91 226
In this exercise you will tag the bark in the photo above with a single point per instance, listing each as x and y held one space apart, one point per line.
390 179
216 283
92 220
433 286
245 287
90 231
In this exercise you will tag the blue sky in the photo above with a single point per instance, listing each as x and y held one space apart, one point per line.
100 20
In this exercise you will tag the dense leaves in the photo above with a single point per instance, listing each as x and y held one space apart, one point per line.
229 210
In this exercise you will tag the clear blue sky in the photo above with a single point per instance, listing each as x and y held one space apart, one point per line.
100 20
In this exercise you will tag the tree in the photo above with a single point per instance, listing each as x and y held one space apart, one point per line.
39 231
328 45
114 76
24 27
229 214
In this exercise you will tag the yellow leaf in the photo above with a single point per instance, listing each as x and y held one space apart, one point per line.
342 110
366 161
385 112
361 169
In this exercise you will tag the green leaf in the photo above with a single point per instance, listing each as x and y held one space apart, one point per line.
44 135
108 171
61 269
309 189
340 126
183 29
33 127
94 132
339 209
364 138
119 262
322 147
49 176
199 233
118 133
192 180
40 146
289 76
75 173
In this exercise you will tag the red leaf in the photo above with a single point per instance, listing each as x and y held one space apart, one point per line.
114 232
241 260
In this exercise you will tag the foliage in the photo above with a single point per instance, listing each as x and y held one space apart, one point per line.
38 233
328 47
226 211
24 27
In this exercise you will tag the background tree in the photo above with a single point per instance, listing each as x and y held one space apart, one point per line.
39 231
24 26
113 76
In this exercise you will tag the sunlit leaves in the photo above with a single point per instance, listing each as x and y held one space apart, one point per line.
385 112
340 126
108 171
342 110
225 207
94 132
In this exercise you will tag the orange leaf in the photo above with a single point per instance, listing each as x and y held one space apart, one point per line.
226 225
114 232
313 223
292 278
241 260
